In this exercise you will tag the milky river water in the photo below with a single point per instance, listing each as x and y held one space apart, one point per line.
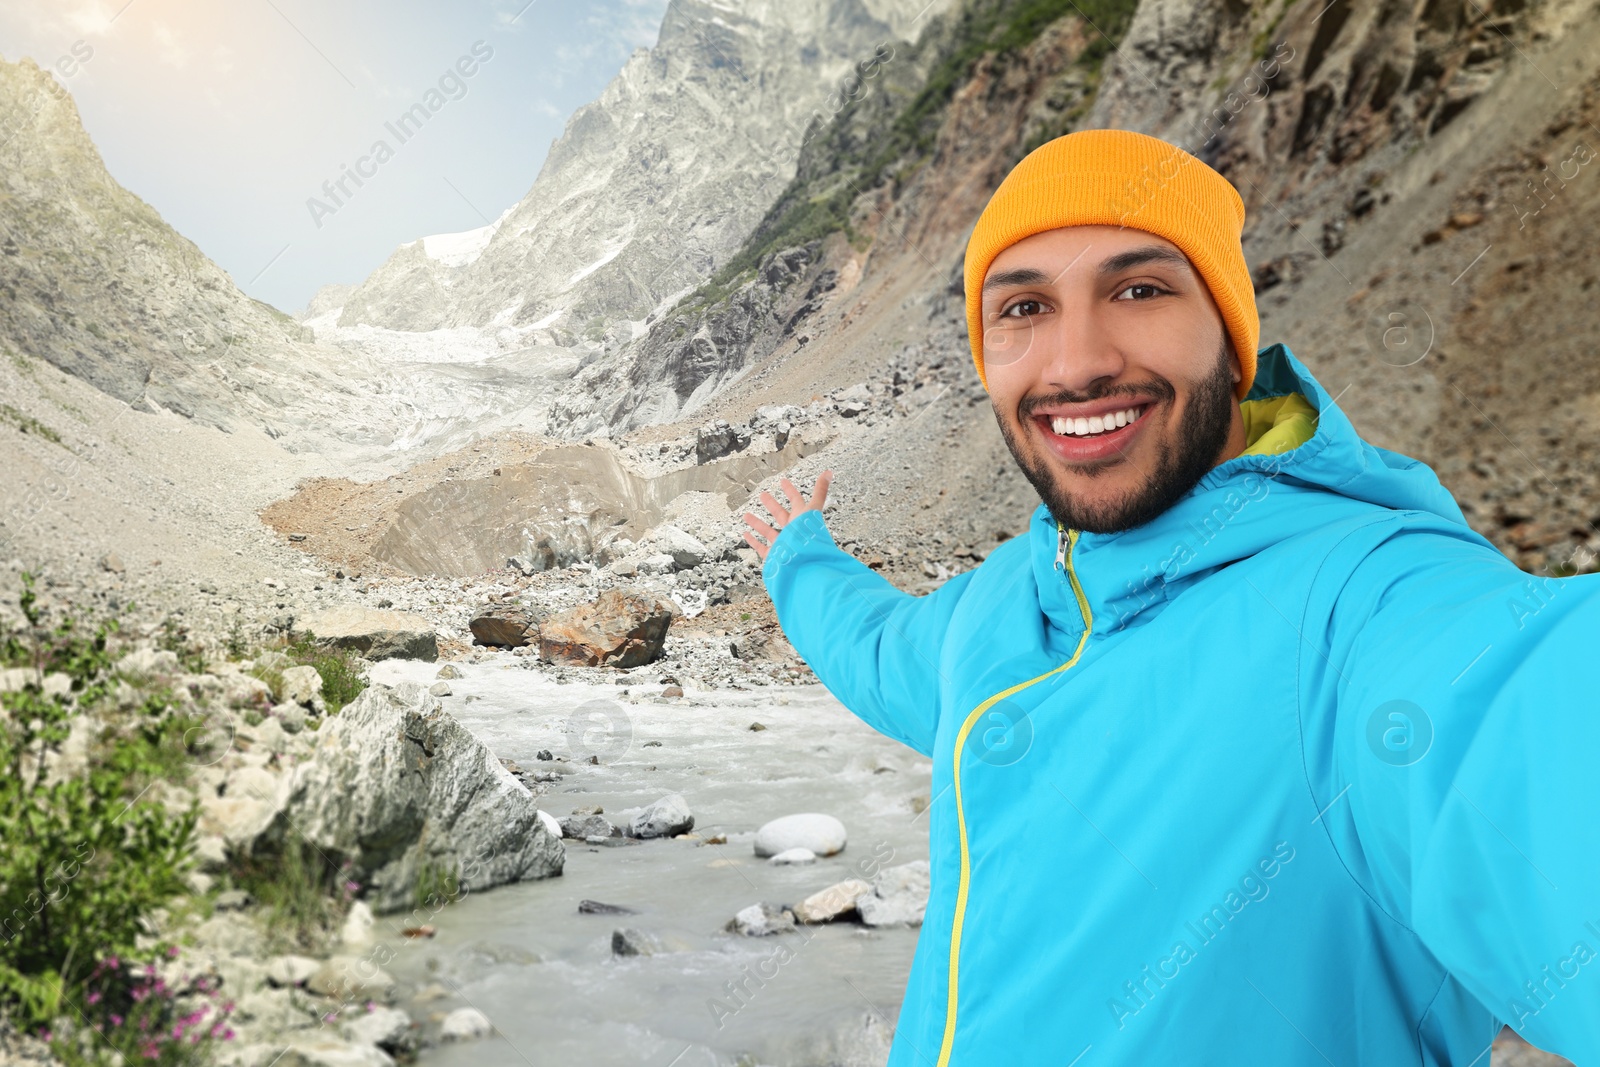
545 974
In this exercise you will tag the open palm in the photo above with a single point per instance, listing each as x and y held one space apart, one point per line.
782 515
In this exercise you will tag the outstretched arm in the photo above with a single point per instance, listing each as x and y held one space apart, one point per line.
1458 703
875 647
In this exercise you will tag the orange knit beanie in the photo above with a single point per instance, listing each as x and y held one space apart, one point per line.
1122 178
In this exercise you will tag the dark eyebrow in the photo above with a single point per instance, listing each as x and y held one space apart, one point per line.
1137 257
1117 264
1020 276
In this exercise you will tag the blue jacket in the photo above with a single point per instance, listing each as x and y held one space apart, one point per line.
1302 772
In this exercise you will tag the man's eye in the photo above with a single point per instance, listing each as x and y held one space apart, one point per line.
1151 289
1023 309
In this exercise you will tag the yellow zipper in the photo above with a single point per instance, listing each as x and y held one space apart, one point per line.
961 818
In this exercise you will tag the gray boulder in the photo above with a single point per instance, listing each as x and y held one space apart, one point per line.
760 920
289 971
302 685
899 896
350 979
465 1024
375 633
414 800
686 551
586 826
388 1028
631 941
665 817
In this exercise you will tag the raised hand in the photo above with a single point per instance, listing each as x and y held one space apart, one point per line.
782 515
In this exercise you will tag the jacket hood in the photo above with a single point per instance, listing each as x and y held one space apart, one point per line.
1237 509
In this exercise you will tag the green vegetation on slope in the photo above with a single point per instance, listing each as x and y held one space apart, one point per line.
889 131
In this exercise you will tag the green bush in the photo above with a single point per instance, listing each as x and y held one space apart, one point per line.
343 674
89 855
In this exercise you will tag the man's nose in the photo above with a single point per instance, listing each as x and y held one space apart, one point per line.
1079 352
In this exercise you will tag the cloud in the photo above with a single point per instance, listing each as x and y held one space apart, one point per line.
169 49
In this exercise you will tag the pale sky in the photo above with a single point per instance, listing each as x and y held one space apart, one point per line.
227 117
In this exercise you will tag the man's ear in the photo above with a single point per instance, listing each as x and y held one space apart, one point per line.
1238 371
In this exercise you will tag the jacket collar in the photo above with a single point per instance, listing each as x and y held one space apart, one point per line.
1237 509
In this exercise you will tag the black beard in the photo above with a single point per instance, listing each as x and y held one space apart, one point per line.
1202 433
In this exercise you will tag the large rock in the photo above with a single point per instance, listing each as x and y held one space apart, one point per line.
720 439
374 632
822 834
252 801
584 826
617 630
504 626
388 1028
289 971
828 904
760 645
413 800
686 550
631 941
313 1049
662 818
899 896
465 1024
761 920
303 686
351 979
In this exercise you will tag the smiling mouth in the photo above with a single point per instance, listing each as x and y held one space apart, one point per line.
1096 440
1094 425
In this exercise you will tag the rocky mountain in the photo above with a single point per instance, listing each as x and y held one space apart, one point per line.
654 185
95 282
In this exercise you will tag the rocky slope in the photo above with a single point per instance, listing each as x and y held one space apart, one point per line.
97 284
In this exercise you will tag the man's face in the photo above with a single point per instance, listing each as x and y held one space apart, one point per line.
1110 371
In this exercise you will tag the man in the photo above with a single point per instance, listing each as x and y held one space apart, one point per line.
1250 750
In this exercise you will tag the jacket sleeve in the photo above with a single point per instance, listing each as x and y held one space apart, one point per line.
875 647
1464 767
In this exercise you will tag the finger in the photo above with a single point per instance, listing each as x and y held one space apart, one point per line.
792 491
777 509
759 546
760 527
819 492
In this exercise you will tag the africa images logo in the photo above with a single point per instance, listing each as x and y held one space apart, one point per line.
1399 733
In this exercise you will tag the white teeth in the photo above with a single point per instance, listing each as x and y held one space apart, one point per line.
1078 427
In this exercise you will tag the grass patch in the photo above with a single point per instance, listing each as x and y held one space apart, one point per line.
304 895
28 424
435 884
344 674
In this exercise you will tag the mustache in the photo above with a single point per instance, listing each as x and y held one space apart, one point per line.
1159 388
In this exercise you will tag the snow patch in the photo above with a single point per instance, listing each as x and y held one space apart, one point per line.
610 254
459 249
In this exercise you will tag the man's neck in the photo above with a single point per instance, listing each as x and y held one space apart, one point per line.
1237 441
